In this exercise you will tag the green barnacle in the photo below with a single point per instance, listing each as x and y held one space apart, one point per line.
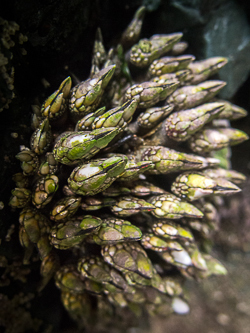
231 111
171 207
29 161
132 32
118 117
20 197
170 230
180 75
147 50
128 257
210 139
94 177
65 208
202 69
169 65
90 224
194 186
190 96
181 125
37 229
85 124
116 231
67 234
133 170
49 165
55 105
129 205
72 147
68 279
231 175
95 269
167 160
189 261
44 189
149 93
86 96
41 138
155 243
152 117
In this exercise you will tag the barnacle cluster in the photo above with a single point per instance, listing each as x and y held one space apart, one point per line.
10 42
112 146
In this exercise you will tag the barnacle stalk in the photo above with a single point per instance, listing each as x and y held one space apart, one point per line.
142 240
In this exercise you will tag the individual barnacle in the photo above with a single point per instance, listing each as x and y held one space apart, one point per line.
210 139
73 147
36 228
66 235
49 165
85 124
44 189
68 279
231 175
155 243
201 70
20 197
132 32
151 117
128 257
116 231
118 117
94 177
29 161
99 53
194 186
126 206
133 170
167 160
181 125
171 207
55 105
231 111
190 96
169 65
41 138
95 269
65 208
149 93
147 50
170 230
180 75
86 96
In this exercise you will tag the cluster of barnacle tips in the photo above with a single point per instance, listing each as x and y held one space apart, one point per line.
105 160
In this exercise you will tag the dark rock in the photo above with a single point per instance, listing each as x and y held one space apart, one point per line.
212 28
228 34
